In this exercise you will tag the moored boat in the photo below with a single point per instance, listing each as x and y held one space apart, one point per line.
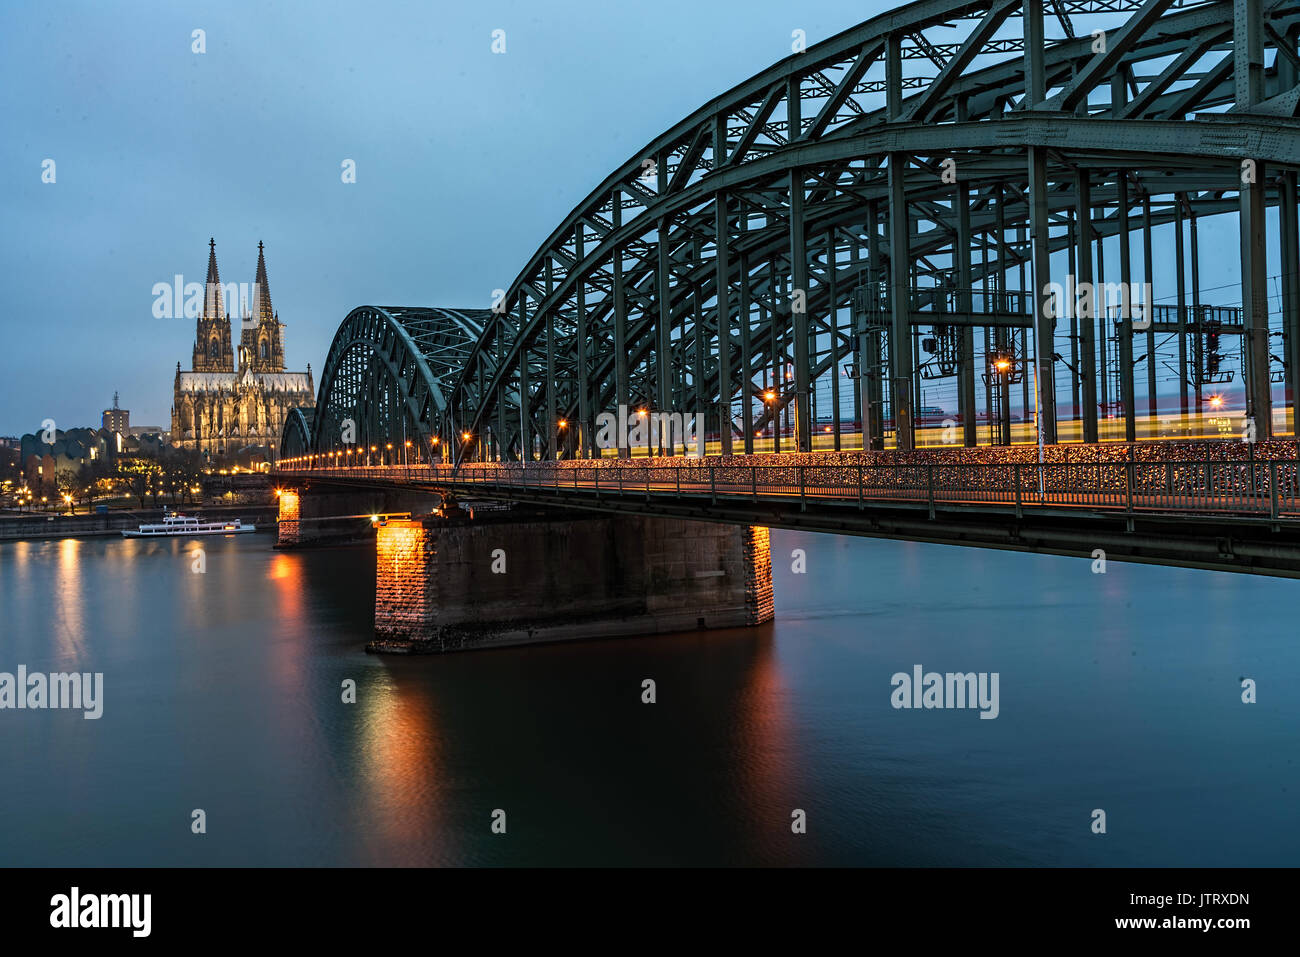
176 524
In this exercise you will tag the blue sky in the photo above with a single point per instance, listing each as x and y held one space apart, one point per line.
466 160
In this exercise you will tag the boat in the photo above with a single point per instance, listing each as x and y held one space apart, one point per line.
176 524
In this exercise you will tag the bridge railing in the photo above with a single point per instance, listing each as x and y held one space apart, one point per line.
1258 488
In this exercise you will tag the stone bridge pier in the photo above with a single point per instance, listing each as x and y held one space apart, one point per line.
457 583
321 514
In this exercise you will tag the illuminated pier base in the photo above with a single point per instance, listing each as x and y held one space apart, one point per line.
315 516
454 585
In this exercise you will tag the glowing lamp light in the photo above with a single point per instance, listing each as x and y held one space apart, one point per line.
641 413
465 436
563 423
769 396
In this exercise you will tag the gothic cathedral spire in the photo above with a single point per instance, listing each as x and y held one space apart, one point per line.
212 349
237 402
261 340
262 310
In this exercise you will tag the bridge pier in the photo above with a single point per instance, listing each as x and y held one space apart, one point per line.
458 584
323 516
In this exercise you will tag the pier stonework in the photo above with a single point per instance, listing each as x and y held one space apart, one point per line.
324 515
456 585
759 601
288 527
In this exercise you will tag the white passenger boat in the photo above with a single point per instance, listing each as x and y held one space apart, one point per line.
176 524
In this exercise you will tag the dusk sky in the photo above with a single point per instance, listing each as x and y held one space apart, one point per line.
465 161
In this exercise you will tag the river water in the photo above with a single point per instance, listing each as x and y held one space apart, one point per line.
1119 691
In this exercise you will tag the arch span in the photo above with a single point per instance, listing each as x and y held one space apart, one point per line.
893 205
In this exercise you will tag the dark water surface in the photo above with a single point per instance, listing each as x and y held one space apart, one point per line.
222 691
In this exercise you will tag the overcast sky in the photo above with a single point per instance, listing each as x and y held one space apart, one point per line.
465 160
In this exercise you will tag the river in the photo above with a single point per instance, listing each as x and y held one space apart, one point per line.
222 691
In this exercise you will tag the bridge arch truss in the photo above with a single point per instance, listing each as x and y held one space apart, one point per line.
901 183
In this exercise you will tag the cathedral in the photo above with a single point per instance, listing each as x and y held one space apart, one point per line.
223 406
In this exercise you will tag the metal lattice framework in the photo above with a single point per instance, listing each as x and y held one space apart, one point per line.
926 170
296 437
389 375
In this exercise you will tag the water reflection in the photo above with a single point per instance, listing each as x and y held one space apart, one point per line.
402 780
68 605
224 689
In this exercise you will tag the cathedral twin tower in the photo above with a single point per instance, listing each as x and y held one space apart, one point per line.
221 406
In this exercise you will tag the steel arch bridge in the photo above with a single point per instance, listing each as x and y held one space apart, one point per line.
919 178
387 379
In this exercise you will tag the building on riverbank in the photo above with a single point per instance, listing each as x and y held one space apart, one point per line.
42 462
229 402
116 419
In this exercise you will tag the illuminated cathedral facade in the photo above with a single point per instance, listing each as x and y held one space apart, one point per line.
231 401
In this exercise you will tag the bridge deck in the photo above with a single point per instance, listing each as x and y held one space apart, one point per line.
1227 515
1268 489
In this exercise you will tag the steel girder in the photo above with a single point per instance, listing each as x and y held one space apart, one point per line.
387 376
296 437
714 265
763 193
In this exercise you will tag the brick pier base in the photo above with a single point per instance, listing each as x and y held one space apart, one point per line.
450 586
317 516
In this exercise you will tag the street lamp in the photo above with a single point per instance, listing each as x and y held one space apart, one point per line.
1002 373
769 399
